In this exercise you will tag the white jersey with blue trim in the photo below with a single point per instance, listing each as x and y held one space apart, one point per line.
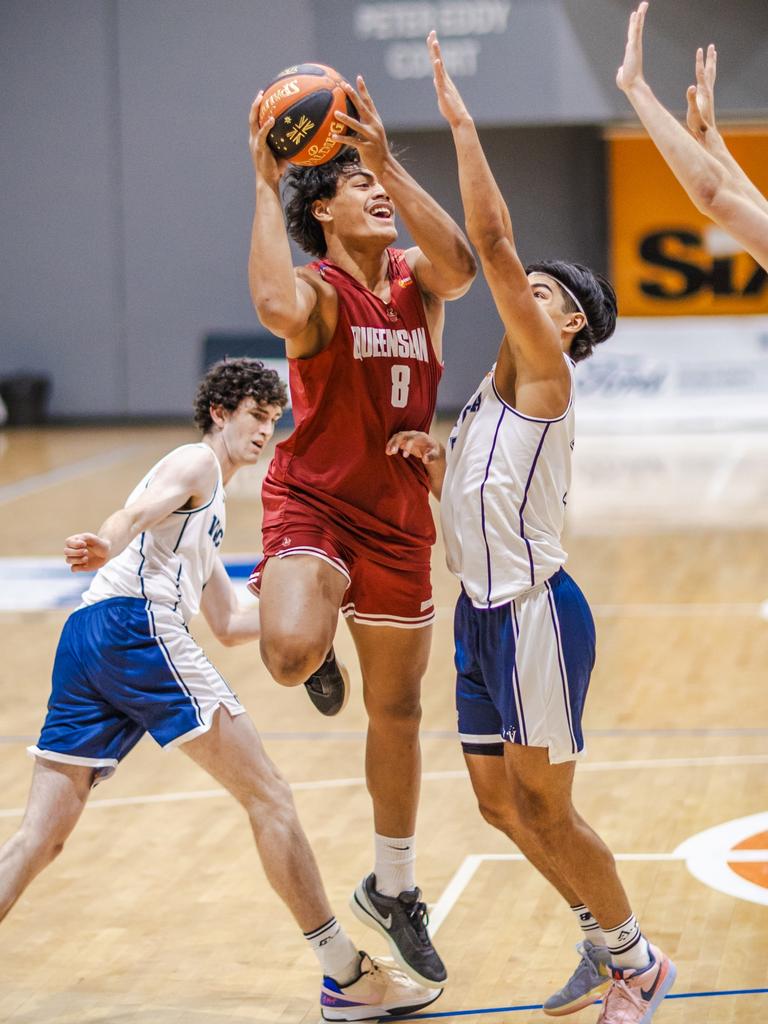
171 563
504 496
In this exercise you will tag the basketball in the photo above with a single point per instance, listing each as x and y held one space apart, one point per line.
302 99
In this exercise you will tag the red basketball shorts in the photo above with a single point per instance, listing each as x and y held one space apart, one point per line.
376 595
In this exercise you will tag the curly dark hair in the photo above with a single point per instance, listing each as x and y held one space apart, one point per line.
596 295
229 381
304 186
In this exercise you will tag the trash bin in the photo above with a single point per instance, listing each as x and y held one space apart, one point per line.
25 396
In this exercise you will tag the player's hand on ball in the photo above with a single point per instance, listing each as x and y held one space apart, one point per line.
265 163
449 100
631 71
370 137
414 442
700 116
86 552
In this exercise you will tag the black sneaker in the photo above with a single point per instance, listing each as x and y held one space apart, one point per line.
402 920
328 688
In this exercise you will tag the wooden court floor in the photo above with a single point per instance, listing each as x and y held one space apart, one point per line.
157 912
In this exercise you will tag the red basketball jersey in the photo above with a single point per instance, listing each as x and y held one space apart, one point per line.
378 375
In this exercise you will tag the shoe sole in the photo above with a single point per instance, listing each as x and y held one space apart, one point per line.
364 915
661 991
364 1012
344 673
593 996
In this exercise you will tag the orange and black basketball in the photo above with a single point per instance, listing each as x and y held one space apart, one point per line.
302 100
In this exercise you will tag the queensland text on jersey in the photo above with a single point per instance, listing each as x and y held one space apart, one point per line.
378 375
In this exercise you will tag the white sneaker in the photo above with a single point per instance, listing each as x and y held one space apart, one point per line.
381 990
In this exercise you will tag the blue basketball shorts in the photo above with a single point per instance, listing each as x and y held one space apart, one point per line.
123 667
523 670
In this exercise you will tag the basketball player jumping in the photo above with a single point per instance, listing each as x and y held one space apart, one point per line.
698 158
346 529
126 664
525 639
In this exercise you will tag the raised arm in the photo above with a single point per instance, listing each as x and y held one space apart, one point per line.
530 333
185 478
231 623
283 301
703 126
442 260
709 183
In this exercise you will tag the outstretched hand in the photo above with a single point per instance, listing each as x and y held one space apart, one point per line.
631 71
700 116
449 100
369 137
266 165
86 552
414 442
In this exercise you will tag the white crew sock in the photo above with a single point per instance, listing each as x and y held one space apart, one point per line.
627 944
334 949
589 925
395 867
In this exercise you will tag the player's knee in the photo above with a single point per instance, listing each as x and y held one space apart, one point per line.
41 848
270 803
538 811
291 660
403 709
499 815
54 849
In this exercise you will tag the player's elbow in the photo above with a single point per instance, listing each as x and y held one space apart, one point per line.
492 242
709 193
465 263
275 314
226 638
220 625
235 632
705 196
464 273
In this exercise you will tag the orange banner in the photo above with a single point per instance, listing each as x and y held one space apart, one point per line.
667 258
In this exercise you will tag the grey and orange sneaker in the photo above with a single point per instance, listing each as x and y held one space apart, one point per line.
586 985
636 993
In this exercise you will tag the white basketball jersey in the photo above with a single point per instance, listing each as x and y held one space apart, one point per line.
171 563
504 495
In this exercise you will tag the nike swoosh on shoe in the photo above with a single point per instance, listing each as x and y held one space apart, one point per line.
648 995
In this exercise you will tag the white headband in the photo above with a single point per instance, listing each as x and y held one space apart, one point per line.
567 291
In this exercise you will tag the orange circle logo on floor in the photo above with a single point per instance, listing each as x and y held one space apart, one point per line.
732 857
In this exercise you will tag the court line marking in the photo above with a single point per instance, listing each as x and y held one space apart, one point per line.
736 760
538 1006
724 471
469 867
42 481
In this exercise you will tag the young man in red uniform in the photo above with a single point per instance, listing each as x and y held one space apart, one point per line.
345 527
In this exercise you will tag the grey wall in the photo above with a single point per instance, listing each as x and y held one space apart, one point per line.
541 61
126 186
58 200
